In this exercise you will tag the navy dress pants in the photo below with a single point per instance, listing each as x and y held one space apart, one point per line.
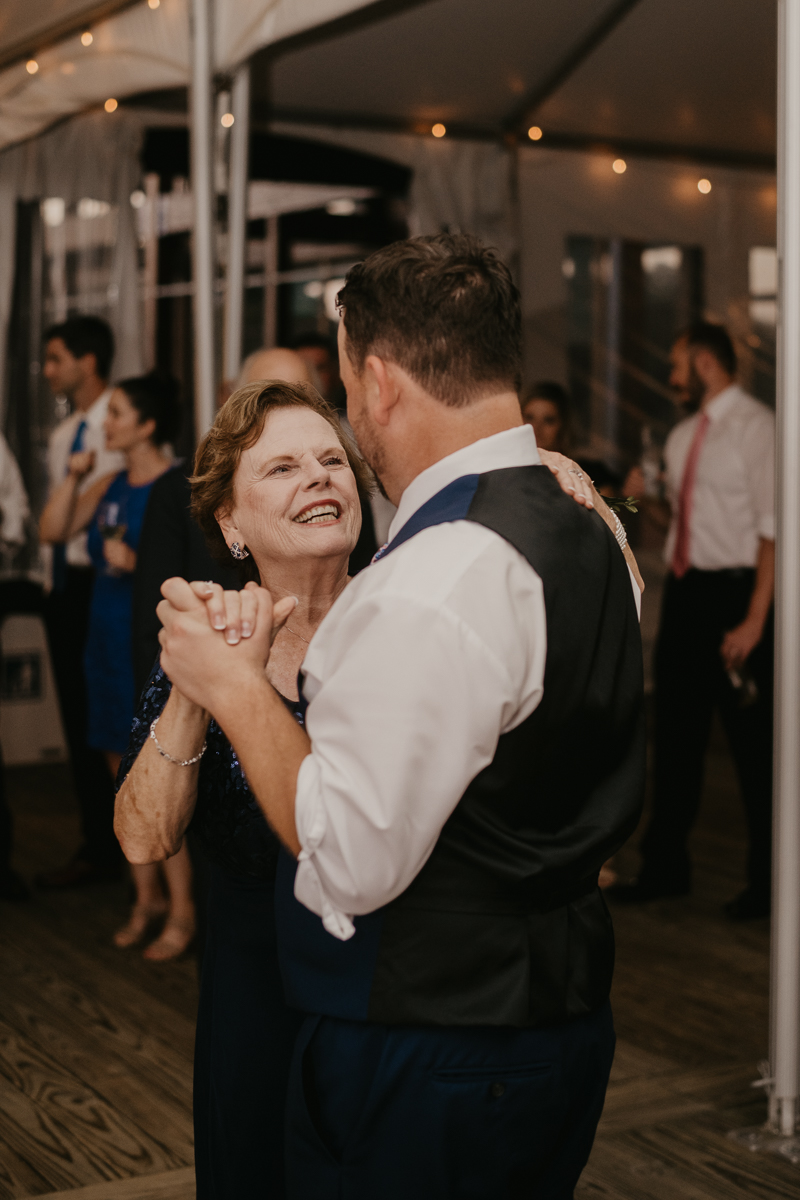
245 1038
395 1112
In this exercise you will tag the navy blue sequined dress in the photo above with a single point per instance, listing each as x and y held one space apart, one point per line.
245 1031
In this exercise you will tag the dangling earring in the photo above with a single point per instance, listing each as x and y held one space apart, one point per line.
239 553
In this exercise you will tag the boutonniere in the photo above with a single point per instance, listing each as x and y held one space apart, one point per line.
619 504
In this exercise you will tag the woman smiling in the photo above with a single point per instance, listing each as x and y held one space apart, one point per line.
276 485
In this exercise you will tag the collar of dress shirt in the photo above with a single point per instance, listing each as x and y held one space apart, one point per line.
95 414
722 402
512 448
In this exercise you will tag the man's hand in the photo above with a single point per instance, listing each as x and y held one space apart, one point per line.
739 643
200 661
571 478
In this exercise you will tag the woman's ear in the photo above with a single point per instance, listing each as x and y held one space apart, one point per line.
228 527
148 427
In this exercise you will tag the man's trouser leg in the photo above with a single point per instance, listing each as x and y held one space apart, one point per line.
67 621
686 670
444 1113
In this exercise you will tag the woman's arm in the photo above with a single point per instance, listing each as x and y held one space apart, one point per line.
155 803
67 513
577 483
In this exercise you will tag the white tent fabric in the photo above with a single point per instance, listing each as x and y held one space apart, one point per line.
142 49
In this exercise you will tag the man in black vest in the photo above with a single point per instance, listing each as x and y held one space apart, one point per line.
474 752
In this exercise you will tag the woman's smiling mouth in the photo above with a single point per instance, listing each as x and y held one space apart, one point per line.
319 514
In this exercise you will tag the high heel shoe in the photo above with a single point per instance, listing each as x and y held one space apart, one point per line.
140 923
175 939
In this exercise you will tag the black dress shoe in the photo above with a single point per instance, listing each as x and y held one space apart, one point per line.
13 886
748 906
644 890
77 873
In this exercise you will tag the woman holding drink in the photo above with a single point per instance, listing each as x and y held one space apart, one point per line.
143 417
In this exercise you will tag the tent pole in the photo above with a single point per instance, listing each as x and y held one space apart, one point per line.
237 221
203 237
785 971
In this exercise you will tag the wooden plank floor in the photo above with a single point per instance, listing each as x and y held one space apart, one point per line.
96 1045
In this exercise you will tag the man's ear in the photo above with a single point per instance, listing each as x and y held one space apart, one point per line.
382 388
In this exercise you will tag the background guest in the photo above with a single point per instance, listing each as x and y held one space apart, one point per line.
16 595
143 416
77 365
714 647
547 408
320 353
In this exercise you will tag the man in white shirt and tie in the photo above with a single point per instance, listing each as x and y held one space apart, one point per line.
78 357
715 642
474 750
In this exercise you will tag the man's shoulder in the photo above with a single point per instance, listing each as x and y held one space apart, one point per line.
748 409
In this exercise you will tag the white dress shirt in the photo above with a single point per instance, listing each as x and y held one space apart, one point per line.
14 507
422 663
105 461
733 502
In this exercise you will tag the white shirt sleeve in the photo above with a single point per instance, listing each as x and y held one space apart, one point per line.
758 452
14 507
418 674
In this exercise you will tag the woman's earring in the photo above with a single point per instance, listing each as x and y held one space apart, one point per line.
238 552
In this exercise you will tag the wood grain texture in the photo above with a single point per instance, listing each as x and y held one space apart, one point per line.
176 1185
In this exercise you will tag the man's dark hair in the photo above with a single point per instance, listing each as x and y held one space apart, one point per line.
86 335
706 335
443 308
155 397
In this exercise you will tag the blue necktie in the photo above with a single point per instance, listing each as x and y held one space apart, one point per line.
60 549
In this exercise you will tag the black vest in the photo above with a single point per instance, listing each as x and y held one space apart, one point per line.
505 924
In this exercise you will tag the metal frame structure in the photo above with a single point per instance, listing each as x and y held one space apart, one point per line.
203 250
785 978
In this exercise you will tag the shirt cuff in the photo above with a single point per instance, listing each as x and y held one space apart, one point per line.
766 528
311 825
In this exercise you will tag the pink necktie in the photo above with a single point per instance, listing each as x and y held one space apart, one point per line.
680 556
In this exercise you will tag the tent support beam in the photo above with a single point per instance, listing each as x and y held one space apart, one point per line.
237 222
785 967
203 257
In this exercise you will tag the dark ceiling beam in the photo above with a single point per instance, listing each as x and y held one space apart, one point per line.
369 14
58 31
711 156
574 57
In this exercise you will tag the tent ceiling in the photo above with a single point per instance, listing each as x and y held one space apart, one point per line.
652 76
675 74
27 25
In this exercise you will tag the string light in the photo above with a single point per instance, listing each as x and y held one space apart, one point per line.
226 120
31 66
534 133
153 3
86 38
619 166
110 105
438 130
704 186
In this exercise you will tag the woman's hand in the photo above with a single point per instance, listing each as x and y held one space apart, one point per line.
81 463
571 478
119 555
235 612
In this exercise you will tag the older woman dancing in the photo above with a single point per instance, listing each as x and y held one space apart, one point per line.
276 486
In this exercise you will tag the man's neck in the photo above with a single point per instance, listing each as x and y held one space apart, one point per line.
87 392
445 430
716 389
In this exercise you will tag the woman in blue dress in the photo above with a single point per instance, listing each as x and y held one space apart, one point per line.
143 417
277 486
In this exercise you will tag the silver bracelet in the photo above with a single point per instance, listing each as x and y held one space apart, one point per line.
619 532
187 762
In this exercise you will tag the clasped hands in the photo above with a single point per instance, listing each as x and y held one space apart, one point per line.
215 643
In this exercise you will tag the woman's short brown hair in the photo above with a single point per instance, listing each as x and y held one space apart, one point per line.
239 425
